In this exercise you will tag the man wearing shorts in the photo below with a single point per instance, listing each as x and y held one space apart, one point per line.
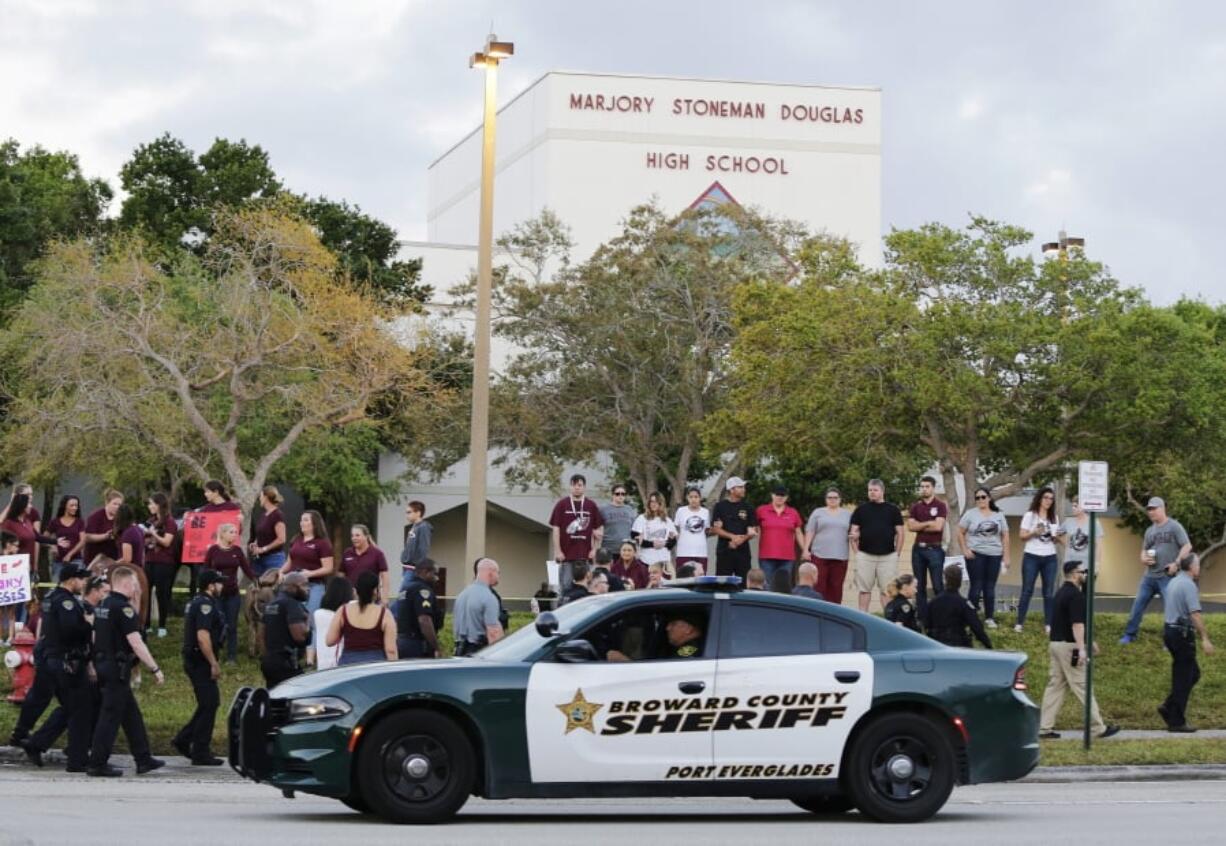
876 543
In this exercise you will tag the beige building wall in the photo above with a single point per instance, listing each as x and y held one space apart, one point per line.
520 553
1120 567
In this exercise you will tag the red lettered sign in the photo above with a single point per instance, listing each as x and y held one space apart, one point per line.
200 532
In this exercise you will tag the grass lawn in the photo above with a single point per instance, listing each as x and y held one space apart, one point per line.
1129 682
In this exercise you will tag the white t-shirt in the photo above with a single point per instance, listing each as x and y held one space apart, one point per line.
1042 543
325 656
657 528
692 531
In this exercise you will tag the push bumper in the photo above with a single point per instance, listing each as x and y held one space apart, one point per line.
250 726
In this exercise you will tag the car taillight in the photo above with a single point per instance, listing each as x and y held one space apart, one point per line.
1019 678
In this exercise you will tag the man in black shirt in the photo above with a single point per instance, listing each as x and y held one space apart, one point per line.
876 544
117 647
286 630
948 616
1068 655
204 630
419 614
579 587
61 657
806 579
734 523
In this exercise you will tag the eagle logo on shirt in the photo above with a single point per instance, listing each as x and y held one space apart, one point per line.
578 526
695 525
1078 541
986 529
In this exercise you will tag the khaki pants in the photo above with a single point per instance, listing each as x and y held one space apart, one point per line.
1064 677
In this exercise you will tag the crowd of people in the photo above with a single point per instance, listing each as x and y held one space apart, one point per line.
309 607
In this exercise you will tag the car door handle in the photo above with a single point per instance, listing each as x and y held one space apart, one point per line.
692 687
847 676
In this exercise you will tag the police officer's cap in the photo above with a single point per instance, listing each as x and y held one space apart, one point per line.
210 577
73 571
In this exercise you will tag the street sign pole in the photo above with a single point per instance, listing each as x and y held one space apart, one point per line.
1090 632
1092 494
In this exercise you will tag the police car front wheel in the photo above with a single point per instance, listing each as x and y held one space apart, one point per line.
416 767
900 769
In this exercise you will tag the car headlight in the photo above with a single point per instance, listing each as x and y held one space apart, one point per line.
317 708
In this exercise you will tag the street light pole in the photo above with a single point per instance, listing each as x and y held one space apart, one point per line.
479 432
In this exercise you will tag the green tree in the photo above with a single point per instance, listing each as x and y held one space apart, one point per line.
43 196
623 356
220 364
962 352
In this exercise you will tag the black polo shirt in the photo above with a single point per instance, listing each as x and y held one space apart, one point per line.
1068 607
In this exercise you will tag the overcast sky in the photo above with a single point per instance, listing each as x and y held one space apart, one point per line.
1108 119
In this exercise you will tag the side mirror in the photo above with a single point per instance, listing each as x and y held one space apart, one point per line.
576 652
546 624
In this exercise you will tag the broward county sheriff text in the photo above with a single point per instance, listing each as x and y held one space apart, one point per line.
723 713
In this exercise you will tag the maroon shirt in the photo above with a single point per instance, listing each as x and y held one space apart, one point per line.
134 536
33 515
307 554
27 541
922 512
266 528
228 562
354 565
576 520
97 523
70 533
155 553
636 572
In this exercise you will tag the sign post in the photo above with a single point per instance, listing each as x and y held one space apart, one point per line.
1093 495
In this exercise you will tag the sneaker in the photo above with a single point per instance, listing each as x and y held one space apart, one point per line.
1018 628
1110 731
149 765
1183 729
161 633
1126 639
1049 735
105 771
990 623
33 753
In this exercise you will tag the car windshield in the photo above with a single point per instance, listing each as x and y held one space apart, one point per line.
524 642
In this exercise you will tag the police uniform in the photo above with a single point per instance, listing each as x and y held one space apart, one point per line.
947 616
114 620
902 610
281 654
689 649
62 656
203 614
418 599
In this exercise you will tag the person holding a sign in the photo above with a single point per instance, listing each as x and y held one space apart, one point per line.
117 647
160 561
311 554
16 522
226 558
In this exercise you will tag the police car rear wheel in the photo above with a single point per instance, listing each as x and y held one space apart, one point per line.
357 803
830 805
416 767
900 769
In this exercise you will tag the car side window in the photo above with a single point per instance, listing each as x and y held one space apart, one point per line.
837 636
660 632
758 630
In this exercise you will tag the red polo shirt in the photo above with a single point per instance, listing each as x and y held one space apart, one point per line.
777 532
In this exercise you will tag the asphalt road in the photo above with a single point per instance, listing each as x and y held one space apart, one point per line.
54 808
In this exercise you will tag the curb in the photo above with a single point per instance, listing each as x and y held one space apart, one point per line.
1148 772
176 767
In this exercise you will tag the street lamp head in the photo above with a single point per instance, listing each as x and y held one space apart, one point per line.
1079 243
499 49
1051 248
478 60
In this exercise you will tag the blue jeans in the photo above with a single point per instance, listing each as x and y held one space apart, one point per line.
771 566
927 562
1149 587
268 561
230 605
1033 567
984 570
315 597
365 656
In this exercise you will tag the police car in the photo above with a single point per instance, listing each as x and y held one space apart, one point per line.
702 689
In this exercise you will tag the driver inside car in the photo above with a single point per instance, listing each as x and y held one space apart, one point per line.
684 638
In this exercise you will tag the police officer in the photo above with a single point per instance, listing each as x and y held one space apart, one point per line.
476 619
286 630
117 648
419 614
61 659
900 610
204 631
684 636
948 615
1183 625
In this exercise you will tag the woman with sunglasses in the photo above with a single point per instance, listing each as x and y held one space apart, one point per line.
826 542
1041 531
983 534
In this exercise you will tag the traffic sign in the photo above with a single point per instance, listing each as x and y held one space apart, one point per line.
1092 490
